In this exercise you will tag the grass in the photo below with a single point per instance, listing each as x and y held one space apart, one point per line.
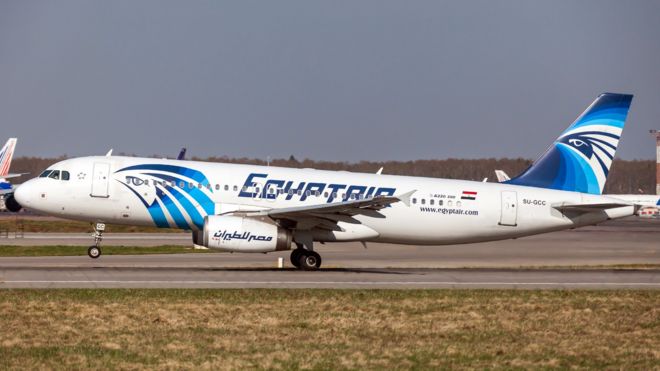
69 226
61 250
329 329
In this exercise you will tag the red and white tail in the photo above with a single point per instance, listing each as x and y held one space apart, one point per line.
6 155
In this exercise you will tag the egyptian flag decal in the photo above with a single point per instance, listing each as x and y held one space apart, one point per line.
469 195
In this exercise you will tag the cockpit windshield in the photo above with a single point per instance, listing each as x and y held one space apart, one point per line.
55 174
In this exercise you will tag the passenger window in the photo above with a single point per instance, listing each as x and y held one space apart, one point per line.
431 202
226 187
55 174
449 203
440 202
458 203
307 193
423 201
45 174
217 187
199 185
325 195
235 188
173 184
191 185
65 175
414 200
146 182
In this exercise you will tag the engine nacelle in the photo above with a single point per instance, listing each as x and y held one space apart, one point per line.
242 234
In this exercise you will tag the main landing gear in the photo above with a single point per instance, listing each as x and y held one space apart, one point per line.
304 259
94 251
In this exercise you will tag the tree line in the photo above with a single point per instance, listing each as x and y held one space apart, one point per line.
626 176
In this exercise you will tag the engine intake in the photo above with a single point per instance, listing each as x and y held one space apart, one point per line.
243 234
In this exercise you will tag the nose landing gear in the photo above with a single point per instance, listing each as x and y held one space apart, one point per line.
94 251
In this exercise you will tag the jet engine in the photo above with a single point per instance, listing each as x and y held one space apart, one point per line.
243 234
11 204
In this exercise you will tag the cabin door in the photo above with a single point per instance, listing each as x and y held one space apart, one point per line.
509 212
100 180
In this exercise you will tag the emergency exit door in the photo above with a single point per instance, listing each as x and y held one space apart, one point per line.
100 180
509 212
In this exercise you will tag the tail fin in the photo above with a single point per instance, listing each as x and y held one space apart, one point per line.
580 159
6 155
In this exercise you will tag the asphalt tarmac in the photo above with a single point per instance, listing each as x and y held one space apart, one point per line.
501 264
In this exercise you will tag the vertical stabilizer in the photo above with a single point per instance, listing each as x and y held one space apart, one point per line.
6 155
580 159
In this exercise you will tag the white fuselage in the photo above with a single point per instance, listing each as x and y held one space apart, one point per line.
119 190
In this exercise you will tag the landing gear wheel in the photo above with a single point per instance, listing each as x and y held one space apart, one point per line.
295 257
309 261
94 252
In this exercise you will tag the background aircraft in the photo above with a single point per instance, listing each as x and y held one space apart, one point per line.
6 188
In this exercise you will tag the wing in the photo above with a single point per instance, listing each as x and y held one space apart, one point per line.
327 215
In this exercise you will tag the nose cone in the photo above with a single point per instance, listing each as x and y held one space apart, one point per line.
24 193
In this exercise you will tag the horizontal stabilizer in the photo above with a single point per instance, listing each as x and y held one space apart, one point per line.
9 176
587 208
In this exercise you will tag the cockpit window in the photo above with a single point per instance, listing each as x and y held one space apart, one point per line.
65 175
45 174
55 174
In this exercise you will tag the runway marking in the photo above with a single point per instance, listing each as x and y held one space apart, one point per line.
647 284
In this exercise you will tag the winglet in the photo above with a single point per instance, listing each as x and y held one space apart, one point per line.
502 176
109 153
405 198
380 171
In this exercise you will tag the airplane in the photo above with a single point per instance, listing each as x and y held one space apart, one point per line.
6 188
259 209
649 204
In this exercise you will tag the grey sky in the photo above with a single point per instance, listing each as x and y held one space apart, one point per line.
333 80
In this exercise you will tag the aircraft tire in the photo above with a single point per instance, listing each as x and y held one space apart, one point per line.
94 252
310 261
295 257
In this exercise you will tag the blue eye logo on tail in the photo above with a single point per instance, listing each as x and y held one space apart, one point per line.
175 196
580 159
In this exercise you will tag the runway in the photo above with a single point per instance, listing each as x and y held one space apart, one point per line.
628 241
101 276
502 264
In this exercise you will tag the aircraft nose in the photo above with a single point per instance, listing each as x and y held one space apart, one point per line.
24 193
